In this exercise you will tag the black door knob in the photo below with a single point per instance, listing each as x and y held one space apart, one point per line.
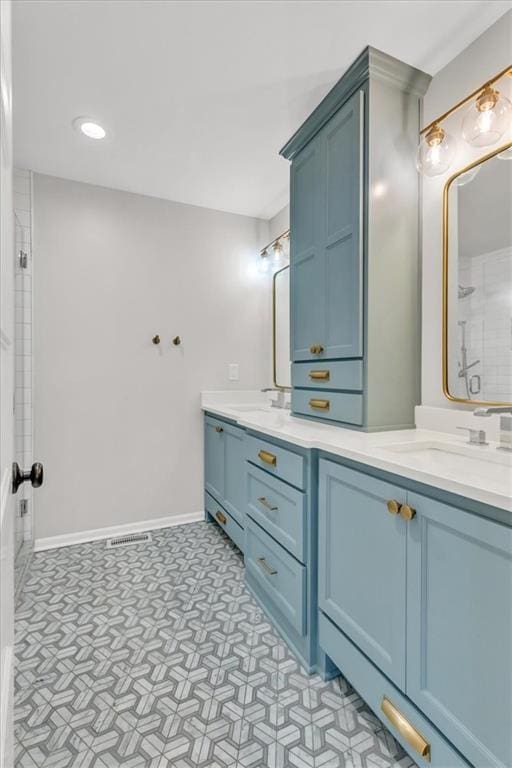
35 475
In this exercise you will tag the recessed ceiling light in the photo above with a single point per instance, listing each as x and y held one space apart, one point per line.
89 128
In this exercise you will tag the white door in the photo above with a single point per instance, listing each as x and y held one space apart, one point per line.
7 517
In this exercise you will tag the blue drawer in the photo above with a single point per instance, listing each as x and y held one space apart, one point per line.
278 575
226 522
279 509
335 406
280 462
416 734
342 374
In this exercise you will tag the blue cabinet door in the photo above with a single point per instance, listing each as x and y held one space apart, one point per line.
342 140
214 461
235 473
326 249
307 321
362 564
459 628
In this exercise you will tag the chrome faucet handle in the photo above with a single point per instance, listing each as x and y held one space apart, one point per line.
505 433
476 436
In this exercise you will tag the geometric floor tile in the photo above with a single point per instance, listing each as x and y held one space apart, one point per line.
157 656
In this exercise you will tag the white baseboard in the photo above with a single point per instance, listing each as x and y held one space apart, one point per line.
67 539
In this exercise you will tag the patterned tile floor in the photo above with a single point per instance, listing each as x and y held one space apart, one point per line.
156 655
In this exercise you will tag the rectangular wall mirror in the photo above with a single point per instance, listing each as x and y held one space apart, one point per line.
281 327
477 290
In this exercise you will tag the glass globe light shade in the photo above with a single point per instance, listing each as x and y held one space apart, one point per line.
435 152
487 119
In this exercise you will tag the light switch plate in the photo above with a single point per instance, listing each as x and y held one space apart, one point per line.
233 371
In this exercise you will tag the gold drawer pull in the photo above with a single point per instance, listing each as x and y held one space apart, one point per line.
322 405
268 458
394 506
323 375
316 349
219 429
407 512
264 503
221 517
405 729
266 567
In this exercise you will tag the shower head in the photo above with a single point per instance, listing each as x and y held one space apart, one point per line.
466 291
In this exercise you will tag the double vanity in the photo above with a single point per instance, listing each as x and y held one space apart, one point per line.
387 556
376 549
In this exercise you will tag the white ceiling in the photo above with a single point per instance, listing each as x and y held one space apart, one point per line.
199 96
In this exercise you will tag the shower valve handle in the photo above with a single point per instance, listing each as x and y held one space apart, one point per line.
35 475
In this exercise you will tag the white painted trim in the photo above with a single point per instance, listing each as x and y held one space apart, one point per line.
67 539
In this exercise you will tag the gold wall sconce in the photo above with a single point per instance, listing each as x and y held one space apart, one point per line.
274 249
485 122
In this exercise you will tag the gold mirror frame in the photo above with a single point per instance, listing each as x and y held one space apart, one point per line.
446 387
286 388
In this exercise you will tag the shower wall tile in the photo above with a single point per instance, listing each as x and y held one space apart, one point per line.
23 349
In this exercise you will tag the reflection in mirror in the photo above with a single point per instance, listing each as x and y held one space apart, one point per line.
281 327
478 282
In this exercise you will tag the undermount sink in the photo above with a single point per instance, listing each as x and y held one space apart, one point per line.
438 449
483 464
251 408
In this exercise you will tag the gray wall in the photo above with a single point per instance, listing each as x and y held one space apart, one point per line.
117 419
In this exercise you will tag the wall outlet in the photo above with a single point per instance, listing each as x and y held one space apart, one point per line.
233 372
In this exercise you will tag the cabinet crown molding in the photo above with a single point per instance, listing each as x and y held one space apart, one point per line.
370 64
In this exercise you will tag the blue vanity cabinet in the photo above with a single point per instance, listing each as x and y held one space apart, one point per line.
354 259
459 627
225 470
362 564
415 600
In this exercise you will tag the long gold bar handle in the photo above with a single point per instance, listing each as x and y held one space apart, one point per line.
266 567
405 729
324 375
221 517
322 405
268 458
264 503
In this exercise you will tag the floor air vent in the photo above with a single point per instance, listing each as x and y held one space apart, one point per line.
131 538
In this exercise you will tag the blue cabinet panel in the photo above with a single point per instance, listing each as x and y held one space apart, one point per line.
281 462
226 522
234 473
307 322
279 509
459 628
342 246
425 743
335 406
339 374
214 457
278 574
362 564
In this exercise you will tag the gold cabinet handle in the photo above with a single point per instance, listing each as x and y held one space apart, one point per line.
316 349
264 503
266 567
268 458
405 729
323 375
219 429
221 517
407 512
322 405
394 506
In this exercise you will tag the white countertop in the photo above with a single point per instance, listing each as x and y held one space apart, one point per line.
439 459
